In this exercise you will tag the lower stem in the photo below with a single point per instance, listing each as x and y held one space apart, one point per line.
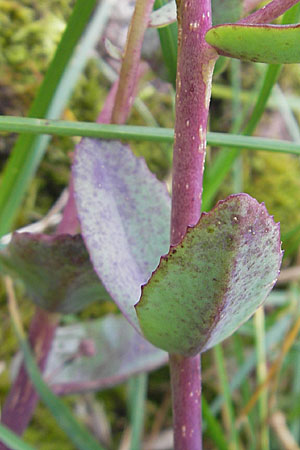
186 399
22 398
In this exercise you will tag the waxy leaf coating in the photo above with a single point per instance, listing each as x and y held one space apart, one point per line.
271 44
214 280
115 352
124 213
56 270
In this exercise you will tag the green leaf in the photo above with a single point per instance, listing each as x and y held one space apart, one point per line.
56 270
271 44
214 280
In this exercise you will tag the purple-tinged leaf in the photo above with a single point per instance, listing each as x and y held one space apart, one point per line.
163 16
271 44
99 354
56 270
214 280
124 213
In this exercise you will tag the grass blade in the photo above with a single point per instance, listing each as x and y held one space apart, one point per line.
12 440
213 428
228 406
261 373
27 151
139 133
168 42
137 397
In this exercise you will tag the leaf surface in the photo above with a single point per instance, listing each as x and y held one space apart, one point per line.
125 218
163 16
271 44
56 270
226 11
214 280
119 353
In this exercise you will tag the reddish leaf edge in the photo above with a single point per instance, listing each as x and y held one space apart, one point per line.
189 228
256 25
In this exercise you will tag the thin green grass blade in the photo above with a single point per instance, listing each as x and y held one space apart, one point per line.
213 427
168 42
12 440
139 133
245 386
224 161
261 374
273 337
225 389
27 152
295 425
137 387
291 240
77 433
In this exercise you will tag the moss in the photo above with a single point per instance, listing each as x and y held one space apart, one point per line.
90 93
275 180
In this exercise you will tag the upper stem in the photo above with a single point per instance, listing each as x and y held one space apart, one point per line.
195 65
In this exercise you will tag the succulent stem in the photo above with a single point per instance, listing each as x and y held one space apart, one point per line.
195 65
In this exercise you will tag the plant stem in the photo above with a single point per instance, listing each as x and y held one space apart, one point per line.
131 61
195 65
22 398
269 12
186 401
196 61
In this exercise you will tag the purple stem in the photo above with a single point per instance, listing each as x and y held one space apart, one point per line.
22 398
269 12
69 222
195 65
186 400
131 61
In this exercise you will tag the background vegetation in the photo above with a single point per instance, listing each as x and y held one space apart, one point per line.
29 33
